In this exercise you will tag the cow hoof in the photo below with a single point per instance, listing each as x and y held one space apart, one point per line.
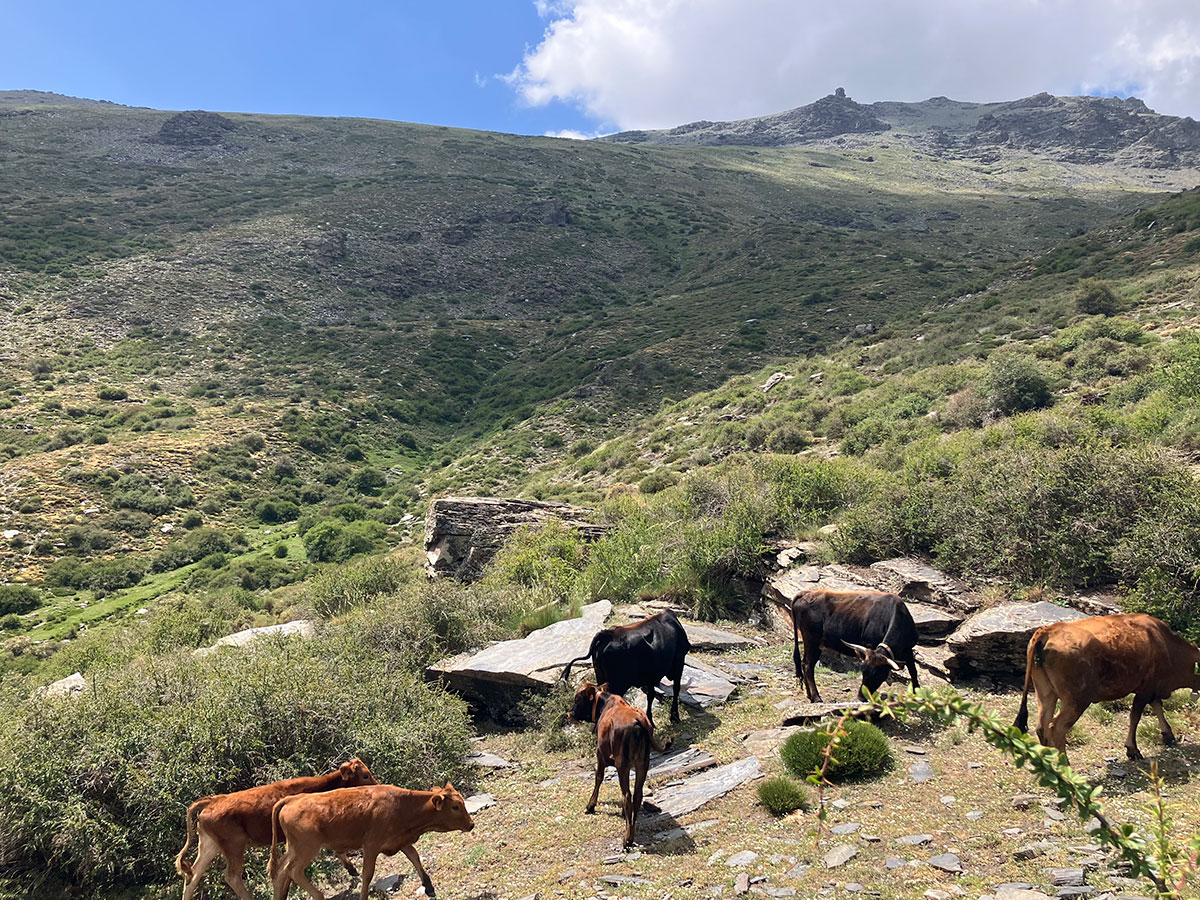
1168 740
1133 753
591 811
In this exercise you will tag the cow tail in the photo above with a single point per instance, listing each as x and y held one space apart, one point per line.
1033 657
182 866
591 652
273 861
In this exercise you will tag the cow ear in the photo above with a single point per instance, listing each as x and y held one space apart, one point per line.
439 799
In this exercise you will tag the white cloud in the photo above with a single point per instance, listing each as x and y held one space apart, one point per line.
480 80
657 63
572 134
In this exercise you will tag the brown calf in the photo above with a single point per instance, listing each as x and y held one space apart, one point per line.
1105 658
378 819
229 823
624 737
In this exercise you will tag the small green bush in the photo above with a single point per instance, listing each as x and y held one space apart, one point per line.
1015 383
862 751
337 590
1096 298
18 598
781 796
112 393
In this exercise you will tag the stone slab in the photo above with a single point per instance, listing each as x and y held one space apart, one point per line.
702 637
994 640
302 628
702 788
674 764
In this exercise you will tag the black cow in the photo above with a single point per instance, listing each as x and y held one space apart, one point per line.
639 655
875 627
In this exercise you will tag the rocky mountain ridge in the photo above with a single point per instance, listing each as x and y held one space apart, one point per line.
1070 129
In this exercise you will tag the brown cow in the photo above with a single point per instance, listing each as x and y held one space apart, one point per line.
379 819
624 737
229 823
1105 658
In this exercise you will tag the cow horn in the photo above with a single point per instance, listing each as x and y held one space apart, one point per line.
861 651
891 662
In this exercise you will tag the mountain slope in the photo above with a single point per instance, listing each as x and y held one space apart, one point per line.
234 321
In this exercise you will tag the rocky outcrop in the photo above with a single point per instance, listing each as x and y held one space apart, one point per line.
70 687
912 579
462 534
496 678
993 641
830 116
193 130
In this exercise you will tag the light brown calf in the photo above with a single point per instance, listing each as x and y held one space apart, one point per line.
229 823
379 819
624 737
1105 658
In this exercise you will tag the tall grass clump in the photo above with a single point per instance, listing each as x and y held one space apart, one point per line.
781 796
357 583
545 559
95 805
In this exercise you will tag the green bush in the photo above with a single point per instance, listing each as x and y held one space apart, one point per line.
112 393
781 796
658 480
546 559
333 540
18 598
102 812
367 481
1015 383
358 583
1096 298
862 751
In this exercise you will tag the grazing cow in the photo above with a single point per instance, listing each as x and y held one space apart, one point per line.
377 819
229 823
877 628
624 738
1105 658
639 655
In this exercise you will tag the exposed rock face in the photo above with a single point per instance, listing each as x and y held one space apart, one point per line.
193 129
700 789
462 534
993 641
914 580
70 687
495 678
832 115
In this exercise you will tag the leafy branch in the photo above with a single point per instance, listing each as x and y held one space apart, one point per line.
1154 858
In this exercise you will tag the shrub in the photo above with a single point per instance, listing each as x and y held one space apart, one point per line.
117 765
193 520
18 598
1096 298
112 393
862 751
546 559
367 481
1015 383
336 590
332 540
280 551
658 480
780 796
353 453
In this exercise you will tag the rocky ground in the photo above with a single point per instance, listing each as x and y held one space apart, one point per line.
951 818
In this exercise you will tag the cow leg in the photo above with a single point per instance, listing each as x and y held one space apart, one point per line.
411 852
912 672
1168 736
627 809
350 869
639 781
370 857
1068 715
1135 716
810 679
678 680
600 767
1047 699
206 852
650 703
291 869
235 866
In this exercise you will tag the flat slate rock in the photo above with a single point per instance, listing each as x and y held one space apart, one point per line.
932 660
701 637
840 855
766 741
914 840
700 789
674 764
496 675
994 640
701 686
476 802
913 579
302 628
920 772
947 862
933 622
801 711
487 760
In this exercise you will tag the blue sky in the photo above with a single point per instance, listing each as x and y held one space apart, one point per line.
419 62
589 66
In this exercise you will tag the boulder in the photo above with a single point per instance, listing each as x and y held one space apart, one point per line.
912 579
933 622
496 677
700 688
70 687
302 628
994 640
462 534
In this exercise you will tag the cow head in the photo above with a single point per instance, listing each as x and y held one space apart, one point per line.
450 810
877 664
355 773
587 702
